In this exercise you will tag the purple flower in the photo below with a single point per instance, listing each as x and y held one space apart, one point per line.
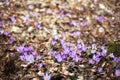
73 22
66 51
71 48
56 37
117 72
63 55
63 34
93 51
91 61
28 48
53 42
103 47
96 58
27 22
100 18
5 33
47 76
7 3
10 22
62 42
20 49
38 25
69 45
78 42
84 48
2 22
111 55
30 7
76 58
22 58
79 51
54 53
116 59
98 53
23 49
104 52
38 57
25 18
68 14
12 18
29 58
72 54
11 40
61 15
1 31
40 65
25 53
94 48
33 53
59 58
79 46
85 23
100 69
76 33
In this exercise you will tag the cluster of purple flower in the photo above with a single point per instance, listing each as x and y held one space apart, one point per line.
69 51
76 33
26 19
85 23
3 32
97 55
78 24
116 59
27 54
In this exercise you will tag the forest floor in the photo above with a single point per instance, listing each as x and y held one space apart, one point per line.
66 39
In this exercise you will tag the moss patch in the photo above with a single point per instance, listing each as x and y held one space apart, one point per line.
114 47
